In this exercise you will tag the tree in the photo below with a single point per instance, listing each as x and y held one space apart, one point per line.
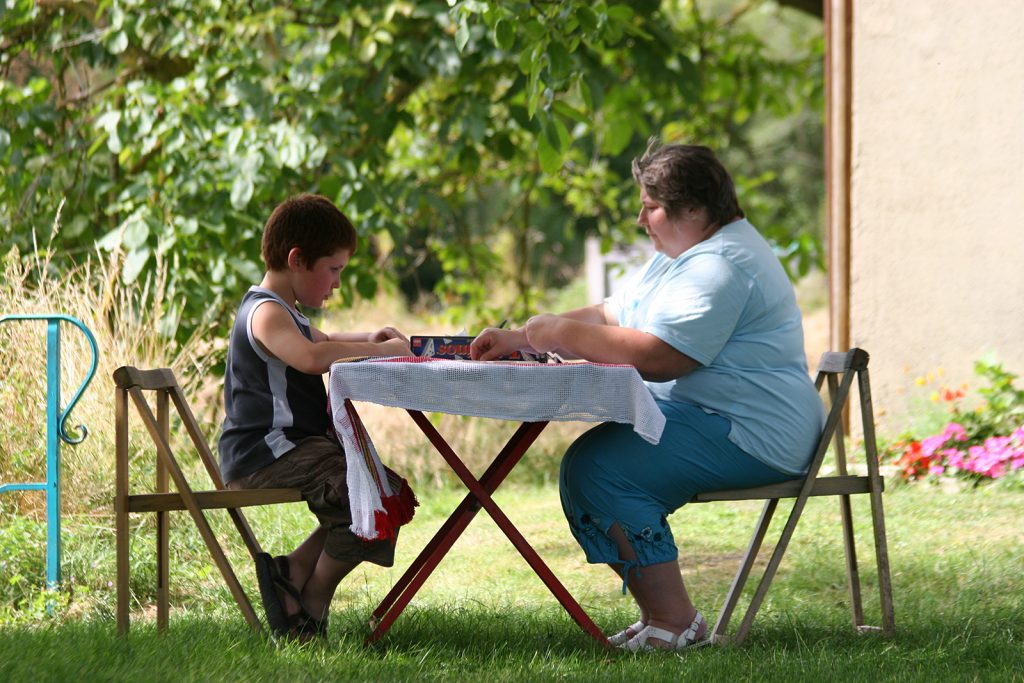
480 139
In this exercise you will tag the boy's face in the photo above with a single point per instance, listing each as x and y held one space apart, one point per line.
314 284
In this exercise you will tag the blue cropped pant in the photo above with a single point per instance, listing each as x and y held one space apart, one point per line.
610 474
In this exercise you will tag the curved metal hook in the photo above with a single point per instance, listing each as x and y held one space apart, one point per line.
64 414
62 429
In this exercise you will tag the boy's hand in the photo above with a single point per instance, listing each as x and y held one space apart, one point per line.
385 333
394 347
494 343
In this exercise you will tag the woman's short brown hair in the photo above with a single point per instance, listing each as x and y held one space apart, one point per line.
681 177
309 222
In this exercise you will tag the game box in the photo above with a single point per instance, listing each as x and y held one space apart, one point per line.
453 347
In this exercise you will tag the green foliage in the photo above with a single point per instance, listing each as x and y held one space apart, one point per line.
22 561
473 143
1003 409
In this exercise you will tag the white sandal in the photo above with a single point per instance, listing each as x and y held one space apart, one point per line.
623 636
682 641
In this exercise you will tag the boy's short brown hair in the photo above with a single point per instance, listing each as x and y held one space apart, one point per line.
309 222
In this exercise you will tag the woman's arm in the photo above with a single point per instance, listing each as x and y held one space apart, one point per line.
655 360
494 343
590 333
598 314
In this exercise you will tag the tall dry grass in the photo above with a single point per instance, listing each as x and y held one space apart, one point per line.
124 319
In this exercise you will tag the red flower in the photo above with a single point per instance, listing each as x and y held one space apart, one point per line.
950 395
914 461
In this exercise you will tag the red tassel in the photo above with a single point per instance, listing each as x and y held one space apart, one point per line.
400 507
408 498
381 522
398 510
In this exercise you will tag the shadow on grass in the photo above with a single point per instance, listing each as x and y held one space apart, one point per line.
958 589
799 642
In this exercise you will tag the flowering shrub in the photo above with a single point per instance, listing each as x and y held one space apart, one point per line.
981 444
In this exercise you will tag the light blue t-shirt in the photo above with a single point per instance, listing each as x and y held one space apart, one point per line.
728 304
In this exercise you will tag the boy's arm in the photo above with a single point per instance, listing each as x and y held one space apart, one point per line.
276 333
383 334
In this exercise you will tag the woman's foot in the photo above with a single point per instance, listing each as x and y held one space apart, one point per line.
626 634
657 638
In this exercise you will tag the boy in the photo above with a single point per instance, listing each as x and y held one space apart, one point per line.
277 431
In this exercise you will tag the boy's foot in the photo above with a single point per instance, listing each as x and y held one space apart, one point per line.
274 574
306 629
269 578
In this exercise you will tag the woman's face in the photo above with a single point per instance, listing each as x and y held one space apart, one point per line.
670 236
673 236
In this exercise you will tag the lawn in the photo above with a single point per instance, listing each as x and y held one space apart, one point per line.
957 561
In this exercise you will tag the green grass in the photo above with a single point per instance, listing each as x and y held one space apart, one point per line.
957 573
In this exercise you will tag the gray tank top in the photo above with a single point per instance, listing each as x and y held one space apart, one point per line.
270 407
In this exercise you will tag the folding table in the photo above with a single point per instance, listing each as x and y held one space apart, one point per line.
532 393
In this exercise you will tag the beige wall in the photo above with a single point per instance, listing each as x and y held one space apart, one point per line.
937 191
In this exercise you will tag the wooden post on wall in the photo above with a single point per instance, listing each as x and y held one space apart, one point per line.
838 152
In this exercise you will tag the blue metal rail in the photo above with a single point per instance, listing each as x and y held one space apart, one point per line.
56 431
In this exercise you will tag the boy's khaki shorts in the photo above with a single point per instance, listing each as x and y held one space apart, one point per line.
316 466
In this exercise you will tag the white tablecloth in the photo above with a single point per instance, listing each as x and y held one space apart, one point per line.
528 392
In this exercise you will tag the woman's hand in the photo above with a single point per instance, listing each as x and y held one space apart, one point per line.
542 332
493 343
386 333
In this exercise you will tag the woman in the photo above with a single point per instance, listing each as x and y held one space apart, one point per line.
711 323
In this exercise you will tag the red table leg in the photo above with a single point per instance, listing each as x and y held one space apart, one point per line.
480 495
428 559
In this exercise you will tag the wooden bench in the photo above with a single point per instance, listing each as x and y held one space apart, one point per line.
131 382
836 371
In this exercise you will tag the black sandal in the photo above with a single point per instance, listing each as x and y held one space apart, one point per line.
282 572
306 629
274 573
269 578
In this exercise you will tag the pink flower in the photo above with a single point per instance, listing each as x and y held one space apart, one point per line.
932 443
997 445
954 457
956 431
938 454
952 430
